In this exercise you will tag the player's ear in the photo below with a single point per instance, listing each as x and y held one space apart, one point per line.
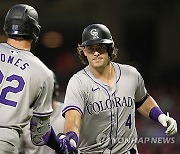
84 51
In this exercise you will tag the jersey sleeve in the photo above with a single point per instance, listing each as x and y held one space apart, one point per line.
74 98
141 91
43 103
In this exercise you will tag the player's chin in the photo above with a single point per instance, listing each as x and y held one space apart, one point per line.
98 65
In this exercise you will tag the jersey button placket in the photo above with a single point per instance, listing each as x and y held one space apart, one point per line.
114 120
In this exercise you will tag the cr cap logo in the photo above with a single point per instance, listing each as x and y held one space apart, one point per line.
94 33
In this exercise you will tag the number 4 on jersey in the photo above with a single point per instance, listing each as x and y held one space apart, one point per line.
129 122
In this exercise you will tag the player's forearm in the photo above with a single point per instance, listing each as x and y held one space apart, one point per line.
71 130
43 134
39 127
72 121
146 107
70 126
150 109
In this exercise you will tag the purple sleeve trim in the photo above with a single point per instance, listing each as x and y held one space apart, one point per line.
154 113
71 108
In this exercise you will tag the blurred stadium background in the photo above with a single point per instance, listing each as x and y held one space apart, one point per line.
147 33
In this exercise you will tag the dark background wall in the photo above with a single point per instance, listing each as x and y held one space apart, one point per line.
147 33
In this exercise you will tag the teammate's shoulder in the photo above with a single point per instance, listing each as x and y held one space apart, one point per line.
1 44
4 45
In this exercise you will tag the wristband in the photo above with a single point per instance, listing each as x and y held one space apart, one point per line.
154 113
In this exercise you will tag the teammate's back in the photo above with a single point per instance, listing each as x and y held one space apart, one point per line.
22 77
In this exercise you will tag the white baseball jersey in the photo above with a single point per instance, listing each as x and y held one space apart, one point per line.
26 87
108 113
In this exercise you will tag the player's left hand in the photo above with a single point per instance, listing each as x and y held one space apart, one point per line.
169 123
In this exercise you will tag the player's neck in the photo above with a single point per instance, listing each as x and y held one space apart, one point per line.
106 75
20 44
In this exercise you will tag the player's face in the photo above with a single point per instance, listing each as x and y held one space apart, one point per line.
97 55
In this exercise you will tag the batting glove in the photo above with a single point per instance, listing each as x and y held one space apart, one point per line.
69 143
169 123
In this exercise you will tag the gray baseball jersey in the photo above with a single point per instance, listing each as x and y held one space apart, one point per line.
108 113
26 87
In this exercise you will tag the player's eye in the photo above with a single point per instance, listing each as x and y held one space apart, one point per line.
102 47
90 48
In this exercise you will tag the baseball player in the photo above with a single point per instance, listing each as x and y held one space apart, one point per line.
101 99
26 84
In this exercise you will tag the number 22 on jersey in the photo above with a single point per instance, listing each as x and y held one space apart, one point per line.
9 89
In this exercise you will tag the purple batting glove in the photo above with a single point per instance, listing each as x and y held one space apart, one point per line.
69 142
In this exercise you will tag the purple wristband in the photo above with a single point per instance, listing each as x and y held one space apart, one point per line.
154 113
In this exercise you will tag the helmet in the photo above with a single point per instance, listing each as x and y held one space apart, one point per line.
22 20
96 33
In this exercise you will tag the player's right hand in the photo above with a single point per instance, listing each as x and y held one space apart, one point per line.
68 145
169 123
